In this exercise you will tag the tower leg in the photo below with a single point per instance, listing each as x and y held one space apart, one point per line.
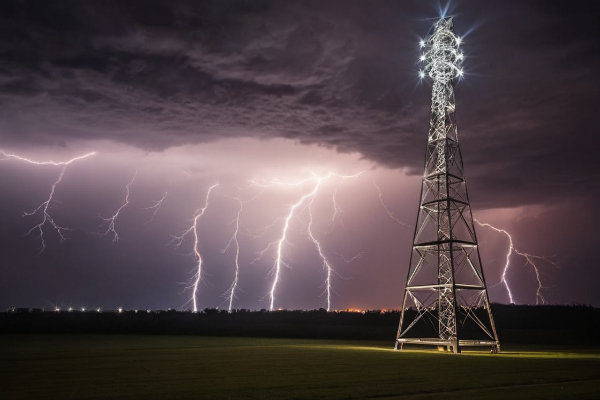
456 347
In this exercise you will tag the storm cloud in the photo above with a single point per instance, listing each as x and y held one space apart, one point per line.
160 76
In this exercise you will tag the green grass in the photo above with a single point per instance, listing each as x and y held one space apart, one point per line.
188 367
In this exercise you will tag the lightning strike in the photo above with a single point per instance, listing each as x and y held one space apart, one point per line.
230 293
111 220
326 263
156 206
46 217
50 162
283 239
337 210
193 229
294 210
529 260
387 210
355 257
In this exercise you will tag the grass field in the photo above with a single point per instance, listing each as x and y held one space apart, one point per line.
191 367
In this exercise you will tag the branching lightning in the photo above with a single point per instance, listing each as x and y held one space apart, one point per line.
529 260
50 162
283 239
193 229
302 209
230 293
387 210
156 206
46 217
305 201
337 210
111 220
326 263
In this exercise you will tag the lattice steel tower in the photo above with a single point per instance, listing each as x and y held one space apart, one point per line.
445 282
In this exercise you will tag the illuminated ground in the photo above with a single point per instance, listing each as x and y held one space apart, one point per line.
176 367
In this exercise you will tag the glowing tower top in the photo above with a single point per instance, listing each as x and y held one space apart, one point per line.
443 61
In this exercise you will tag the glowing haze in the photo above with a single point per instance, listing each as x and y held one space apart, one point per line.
174 98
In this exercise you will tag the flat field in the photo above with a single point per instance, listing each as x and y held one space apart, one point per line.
192 367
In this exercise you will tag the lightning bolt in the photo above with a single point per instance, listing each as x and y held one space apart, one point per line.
156 206
529 260
111 220
230 293
193 229
294 210
387 210
46 217
337 211
17 157
302 208
283 239
326 263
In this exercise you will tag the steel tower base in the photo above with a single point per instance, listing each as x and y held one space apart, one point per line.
449 345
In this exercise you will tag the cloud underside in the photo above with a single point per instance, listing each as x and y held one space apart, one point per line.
340 75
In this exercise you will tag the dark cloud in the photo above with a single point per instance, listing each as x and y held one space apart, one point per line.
340 74
293 70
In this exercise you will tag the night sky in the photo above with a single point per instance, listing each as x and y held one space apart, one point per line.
263 98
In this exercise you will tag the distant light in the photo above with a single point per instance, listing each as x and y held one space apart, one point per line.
355 310
460 72
98 309
458 40
460 56
120 309
57 309
421 74
422 57
82 308
70 309
422 43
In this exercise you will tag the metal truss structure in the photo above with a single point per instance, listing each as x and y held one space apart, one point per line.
445 281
